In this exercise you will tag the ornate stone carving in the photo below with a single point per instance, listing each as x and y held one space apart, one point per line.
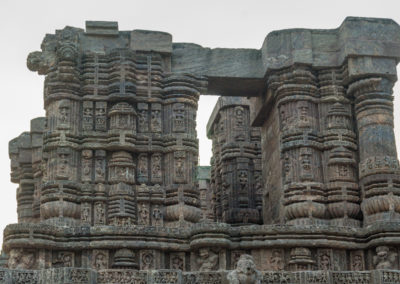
147 260
143 165
144 214
101 116
63 259
100 259
20 259
384 258
143 116
180 166
155 122
88 114
177 261
87 165
245 272
207 260
178 117
156 169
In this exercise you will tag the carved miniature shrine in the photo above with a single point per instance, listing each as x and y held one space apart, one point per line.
304 185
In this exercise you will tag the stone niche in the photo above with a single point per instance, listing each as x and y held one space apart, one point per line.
304 183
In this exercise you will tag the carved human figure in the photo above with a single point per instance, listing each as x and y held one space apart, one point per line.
99 214
245 272
85 214
64 113
177 262
207 260
143 117
87 165
157 216
142 168
87 121
155 121
357 264
306 164
100 112
243 179
178 117
147 260
303 114
324 261
384 258
239 116
63 163
143 214
277 262
100 261
156 174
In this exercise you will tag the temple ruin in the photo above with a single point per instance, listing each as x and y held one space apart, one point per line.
304 184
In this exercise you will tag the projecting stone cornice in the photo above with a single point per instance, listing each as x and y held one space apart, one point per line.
241 72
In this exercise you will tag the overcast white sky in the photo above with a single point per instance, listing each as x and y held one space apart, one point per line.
233 24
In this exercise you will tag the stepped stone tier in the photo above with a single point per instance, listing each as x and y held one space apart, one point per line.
304 184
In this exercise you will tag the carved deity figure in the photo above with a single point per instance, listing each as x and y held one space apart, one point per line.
99 214
20 259
143 117
384 258
100 261
324 261
243 178
245 272
358 263
303 114
155 121
239 116
177 262
305 164
147 260
277 262
64 113
143 215
157 216
207 260
178 117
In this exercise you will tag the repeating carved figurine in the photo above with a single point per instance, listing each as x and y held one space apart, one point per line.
143 215
243 179
303 113
178 117
147 260
157 216
357 263
99 214
277 262
87 121
100 261
143 117
245 272
64 113
156 173
239 116
177 262
384 258
85 214
207 260
324 261
155 121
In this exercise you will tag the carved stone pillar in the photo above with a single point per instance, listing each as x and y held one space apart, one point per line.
296 109
379 167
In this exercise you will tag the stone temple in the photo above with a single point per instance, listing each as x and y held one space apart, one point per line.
304 184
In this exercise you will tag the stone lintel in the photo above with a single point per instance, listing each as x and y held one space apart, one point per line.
142 40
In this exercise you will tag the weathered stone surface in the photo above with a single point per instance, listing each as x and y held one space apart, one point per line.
304 185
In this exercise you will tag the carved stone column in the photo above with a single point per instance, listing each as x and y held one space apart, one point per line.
379 166
295 114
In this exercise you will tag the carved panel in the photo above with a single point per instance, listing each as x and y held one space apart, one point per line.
99 213
180 167
143 115
63 163
157 216
177 261
357 262
64 114
63 259
100 166
88 114
143 173
86 213
87 165
156 169
178 117
101 116
155 122
100 259
143 214
147 260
